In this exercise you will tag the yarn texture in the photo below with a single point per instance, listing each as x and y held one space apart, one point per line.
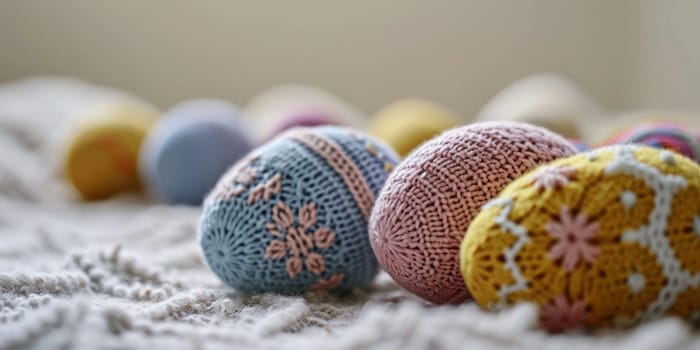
424 210
292 215
665 135
66 284
189 149
608 237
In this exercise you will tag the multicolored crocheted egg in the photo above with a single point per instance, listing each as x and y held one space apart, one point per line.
189 149
405 124
608 237
292 215
424 210
102 155
666 135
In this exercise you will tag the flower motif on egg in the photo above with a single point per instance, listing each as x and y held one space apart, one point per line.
234 183
553 177
613 244
271 225
561 314
296 241
573 234
329 283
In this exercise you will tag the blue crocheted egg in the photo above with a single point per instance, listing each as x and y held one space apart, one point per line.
292 215
189 149
580 146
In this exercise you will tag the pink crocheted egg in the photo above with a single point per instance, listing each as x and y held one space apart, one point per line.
425 207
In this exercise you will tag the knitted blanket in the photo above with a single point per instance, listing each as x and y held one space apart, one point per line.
127 273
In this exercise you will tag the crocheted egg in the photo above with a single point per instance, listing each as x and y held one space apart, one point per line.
302 119
406 124
580 146
285 106
424 210
666 135
102 155
608 237
192 145
292 215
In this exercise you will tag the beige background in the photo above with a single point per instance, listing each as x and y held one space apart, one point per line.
626 54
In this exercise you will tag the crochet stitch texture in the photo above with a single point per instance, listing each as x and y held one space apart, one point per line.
292 216
608 237
424 210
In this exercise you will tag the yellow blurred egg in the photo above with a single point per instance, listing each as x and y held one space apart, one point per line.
102 155
405 124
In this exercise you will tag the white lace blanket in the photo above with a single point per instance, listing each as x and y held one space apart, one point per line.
127 274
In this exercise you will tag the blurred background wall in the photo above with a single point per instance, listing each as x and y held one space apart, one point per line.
626 54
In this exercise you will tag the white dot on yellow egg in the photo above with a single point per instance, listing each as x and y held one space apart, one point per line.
636 282
667 157
592 156
628 199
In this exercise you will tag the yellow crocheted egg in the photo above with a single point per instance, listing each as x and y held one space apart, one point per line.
406 124
102 155
604 238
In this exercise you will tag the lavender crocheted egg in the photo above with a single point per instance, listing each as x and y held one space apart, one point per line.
425 208
292 215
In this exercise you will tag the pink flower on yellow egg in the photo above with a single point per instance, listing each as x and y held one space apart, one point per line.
553 177
561 314
573 234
